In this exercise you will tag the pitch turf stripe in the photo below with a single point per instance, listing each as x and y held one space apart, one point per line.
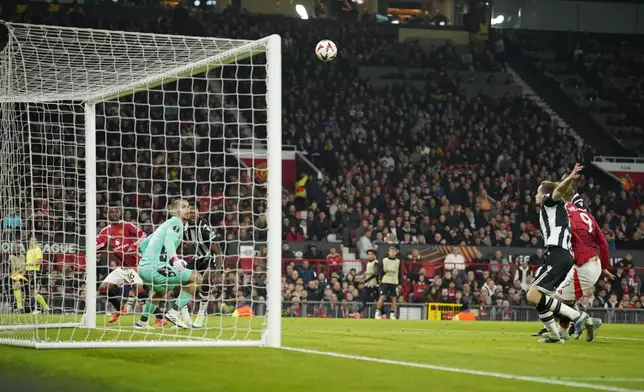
539 380
600 336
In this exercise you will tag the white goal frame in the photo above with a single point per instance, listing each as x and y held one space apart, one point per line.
271 334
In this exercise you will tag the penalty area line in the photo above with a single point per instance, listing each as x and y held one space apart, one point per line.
539 380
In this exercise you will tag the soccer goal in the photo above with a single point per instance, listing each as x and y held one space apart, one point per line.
95 118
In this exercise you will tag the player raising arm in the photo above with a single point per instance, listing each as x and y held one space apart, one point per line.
555 227
165 273
591 258
122 239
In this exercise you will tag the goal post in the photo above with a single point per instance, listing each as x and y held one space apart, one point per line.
93 118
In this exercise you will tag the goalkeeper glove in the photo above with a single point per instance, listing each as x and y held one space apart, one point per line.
178 264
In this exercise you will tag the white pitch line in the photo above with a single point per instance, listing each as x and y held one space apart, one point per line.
609 379
539 380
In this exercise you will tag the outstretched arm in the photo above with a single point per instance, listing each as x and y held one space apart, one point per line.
565 186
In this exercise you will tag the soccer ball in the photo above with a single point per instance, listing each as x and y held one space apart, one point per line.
326 50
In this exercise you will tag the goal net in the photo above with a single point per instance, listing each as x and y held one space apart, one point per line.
106 128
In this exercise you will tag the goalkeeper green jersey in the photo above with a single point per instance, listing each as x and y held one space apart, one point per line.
168 236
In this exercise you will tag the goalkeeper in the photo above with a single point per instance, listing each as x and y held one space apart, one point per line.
162 275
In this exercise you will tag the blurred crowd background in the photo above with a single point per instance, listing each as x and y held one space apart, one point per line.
454 163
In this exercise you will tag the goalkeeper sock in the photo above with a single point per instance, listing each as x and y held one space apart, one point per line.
114 298
19 303
182 301
148 308
42 302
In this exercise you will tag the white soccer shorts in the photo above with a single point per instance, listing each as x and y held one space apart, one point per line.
579 280
121 276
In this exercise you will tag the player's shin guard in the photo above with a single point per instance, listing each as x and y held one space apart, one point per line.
114 296
547 317
182 301
560 309
41 300
148 308
20 305
204 292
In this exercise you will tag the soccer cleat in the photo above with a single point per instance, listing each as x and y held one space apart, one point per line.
563 334
580 324
540 333
115 316
377 316
545 338
160 322
142 325
124 310
200 322
592 325
35 312
355 315
174 317
392 316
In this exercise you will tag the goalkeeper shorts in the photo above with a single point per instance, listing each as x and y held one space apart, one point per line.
164 277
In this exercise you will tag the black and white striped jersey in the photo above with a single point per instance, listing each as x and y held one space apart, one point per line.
555 224
198 237
579 202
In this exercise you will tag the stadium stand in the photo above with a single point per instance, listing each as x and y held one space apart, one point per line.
443 152
602 74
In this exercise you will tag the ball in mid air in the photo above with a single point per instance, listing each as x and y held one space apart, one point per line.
326 50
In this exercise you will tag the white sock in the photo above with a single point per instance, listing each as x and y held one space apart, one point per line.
185 315
203 306
560 308
392 315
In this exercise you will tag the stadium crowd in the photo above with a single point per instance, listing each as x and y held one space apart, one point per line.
400 165
603 76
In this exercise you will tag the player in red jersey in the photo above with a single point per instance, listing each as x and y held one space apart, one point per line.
122 239
591 257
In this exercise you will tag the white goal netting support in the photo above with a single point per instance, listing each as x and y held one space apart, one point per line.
96 121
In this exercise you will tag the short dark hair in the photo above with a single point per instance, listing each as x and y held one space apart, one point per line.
548 186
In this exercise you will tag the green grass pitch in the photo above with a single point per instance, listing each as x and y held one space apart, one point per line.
611 362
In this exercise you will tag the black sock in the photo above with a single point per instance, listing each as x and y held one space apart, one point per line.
204 291
114 296
160 310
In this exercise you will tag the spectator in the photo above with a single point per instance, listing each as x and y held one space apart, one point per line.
294 234
455 260
287 253
523 271
364 244
313 254
335 260
306 272
419 287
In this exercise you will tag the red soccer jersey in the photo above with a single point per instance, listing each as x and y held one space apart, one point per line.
587 237
123 239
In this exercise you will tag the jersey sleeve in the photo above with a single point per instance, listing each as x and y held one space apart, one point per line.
101 239
136 236
604 255
173 235
208 234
